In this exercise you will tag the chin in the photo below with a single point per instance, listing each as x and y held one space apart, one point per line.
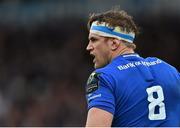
100 65
97 66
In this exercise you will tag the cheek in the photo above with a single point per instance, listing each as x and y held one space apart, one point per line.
103 56
102 51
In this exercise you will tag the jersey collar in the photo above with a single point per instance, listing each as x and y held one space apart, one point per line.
127 56
130 55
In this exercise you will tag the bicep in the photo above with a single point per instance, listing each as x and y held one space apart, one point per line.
99 118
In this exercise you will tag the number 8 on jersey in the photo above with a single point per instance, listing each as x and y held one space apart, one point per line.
156 102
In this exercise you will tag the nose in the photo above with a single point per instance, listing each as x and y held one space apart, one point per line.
89 47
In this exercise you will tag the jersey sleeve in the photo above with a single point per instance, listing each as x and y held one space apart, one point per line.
99 92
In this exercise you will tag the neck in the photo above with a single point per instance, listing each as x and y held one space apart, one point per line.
123 51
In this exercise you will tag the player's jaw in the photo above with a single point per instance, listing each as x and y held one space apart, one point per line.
99 61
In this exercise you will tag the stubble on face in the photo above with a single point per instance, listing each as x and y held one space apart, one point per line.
101 56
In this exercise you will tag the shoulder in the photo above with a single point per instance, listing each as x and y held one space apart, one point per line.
103 72
156 61
106 73
98 78
163 64
99 74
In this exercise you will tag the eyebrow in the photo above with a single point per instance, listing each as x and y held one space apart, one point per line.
93 38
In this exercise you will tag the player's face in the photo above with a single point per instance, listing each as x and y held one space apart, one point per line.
99 48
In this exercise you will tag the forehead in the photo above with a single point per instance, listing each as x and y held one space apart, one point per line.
93 35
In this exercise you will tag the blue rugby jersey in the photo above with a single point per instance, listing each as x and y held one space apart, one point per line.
137 91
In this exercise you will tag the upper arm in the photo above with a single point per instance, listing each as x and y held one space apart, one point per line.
98 118
101 101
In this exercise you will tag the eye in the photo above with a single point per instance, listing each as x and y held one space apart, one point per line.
93 39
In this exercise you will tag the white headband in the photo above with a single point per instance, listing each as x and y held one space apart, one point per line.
103 29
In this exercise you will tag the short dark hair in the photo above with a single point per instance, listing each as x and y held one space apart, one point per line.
116 17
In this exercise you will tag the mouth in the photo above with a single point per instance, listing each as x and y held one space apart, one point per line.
93 57
94 60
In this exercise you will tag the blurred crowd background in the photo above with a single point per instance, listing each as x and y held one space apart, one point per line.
43 62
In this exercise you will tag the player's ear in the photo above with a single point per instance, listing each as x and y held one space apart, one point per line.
115 44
